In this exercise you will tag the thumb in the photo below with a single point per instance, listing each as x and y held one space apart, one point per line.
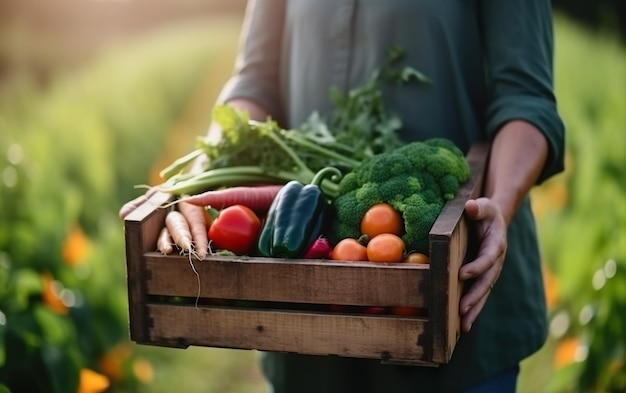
478 209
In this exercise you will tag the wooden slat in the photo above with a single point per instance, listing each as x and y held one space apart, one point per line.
448 242
141 229
322 282
385 338
426 341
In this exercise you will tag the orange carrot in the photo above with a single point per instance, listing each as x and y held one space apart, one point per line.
164 242
257 198
196 220
179 229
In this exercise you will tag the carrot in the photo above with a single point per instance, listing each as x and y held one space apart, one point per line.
179 230
257 198
164 242
177 225
197 226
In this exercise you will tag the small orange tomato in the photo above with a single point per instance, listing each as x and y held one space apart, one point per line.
386 247
382 218
417 257
349 250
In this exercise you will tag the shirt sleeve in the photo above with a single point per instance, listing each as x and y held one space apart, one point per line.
256 74
518 49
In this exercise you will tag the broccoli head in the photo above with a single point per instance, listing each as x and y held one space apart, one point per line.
416 179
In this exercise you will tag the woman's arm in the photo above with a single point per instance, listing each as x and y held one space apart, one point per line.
524 127
517 158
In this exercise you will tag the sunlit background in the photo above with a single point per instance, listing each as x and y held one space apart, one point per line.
96 96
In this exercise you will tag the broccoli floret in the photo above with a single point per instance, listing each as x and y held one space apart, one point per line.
419 217
449 185
397 187
348 183
417 179
348 209
383 166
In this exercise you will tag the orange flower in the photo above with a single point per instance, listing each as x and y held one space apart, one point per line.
143 370
50 295
112 363
565 353
551 286
76 246
92 382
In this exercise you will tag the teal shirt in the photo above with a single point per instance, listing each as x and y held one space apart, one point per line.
490 62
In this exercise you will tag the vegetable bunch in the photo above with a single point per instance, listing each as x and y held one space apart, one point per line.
251 152
416 180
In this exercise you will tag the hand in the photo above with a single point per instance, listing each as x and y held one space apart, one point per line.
132 205
491 231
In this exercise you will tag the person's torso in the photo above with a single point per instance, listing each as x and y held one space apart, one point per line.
340 43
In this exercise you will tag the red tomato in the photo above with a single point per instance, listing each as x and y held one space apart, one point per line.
235 229
408 311
374 310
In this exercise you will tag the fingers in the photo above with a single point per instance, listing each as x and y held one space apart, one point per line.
486 267
468 318
480 209
474 299
131 206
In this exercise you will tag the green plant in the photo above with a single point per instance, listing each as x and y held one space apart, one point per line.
582 218
69 157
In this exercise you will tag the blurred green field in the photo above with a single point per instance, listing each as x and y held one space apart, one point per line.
72 152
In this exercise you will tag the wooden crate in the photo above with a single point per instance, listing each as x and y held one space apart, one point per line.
169 305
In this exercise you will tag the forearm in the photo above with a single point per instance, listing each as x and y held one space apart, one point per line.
518 154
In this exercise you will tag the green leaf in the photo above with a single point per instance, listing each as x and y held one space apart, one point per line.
61 367
56 329
26 283
408 73
3 329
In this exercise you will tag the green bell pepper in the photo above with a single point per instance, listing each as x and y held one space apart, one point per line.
296 218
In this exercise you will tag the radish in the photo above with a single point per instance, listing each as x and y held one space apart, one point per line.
257 198
319 249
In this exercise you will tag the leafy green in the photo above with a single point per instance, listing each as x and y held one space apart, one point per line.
259 152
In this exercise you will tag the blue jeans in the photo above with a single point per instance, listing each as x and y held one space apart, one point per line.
290 373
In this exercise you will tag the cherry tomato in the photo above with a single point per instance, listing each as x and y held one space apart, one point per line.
349 250
374 310
382 218
385 247
417 257
235 229
408 311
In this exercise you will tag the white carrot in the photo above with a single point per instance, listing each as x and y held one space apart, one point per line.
164 242
181 234
196 219
179 230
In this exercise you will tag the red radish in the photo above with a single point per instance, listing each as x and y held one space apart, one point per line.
257 198
319 249
179 229
196 219
164 242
